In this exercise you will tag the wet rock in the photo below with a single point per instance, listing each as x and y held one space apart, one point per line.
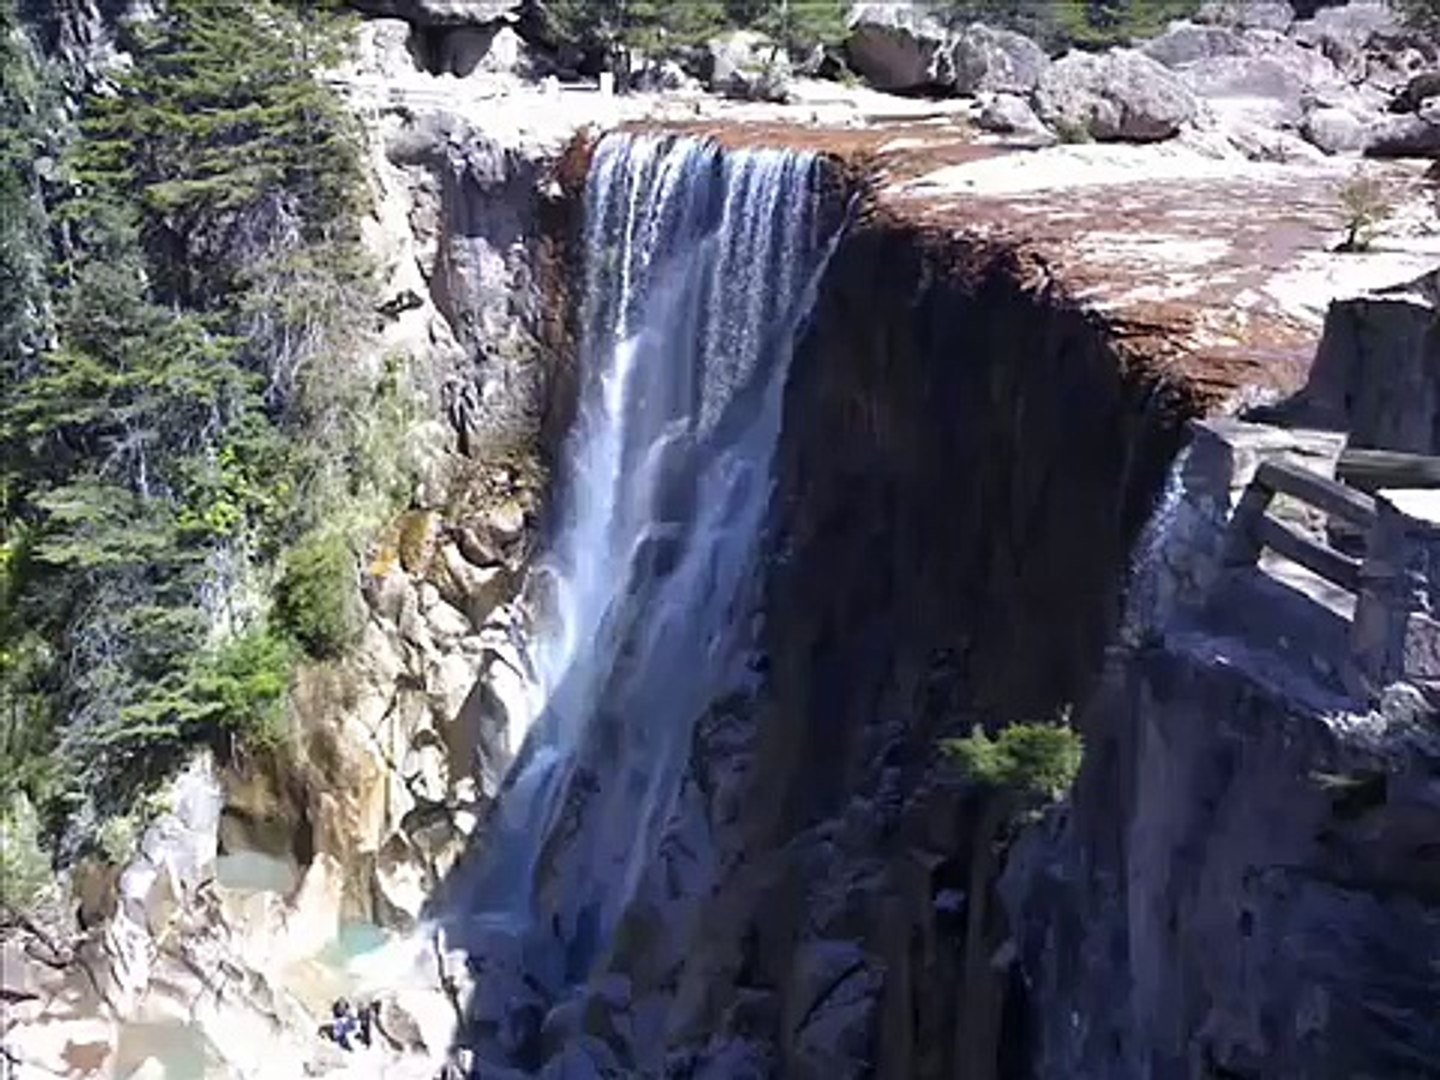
1336 131
586 1059
898 46
1122 95
832 1034
313 915
563 1025
747 65
988 60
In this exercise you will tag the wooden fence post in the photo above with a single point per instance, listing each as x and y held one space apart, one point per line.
1395 635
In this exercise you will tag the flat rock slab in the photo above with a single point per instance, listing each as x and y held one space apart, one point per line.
1228 266
1218 265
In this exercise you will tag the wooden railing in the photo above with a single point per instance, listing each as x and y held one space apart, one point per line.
1371 470
1373 531
1254 528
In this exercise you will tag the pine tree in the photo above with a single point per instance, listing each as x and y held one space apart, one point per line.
798 26
209 259
26 663
226 143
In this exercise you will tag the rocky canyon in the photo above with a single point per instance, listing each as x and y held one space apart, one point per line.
776 428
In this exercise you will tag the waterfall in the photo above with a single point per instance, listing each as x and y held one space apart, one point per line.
1144 594
701 265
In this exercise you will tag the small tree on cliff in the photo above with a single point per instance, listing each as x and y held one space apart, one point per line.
1025 766
1025 763
1366 207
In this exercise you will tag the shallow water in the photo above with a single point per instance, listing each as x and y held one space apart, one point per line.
254 871
181 1049
337 970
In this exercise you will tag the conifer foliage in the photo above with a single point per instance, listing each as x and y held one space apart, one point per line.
161 447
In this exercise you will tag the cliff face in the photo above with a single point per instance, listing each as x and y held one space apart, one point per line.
964 463
968 457
1243 882
404 744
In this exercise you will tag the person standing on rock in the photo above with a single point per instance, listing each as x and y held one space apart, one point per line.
343 1024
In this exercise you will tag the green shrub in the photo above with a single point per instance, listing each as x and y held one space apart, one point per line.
119 838
1062 24
1421 15
1365 206
1072 131
314 600
245 685
1035 760
25 875
173 374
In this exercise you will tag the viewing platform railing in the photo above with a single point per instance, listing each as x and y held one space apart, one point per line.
1366 521
1253 528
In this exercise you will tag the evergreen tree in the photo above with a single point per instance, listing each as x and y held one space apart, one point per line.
799 26
1061 24
22 220
614 29
210 263
26 667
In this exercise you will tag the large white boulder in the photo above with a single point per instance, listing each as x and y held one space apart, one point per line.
444 12
1121 95
988 60
746 64
1189 43
898 46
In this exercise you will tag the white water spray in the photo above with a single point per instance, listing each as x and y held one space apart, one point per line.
701 266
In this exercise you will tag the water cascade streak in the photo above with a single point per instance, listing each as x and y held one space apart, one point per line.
701 265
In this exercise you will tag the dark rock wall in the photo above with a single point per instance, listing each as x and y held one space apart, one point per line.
1246 884
1377 371
964 465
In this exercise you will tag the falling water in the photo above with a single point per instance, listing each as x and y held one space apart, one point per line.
1143 599
701 265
